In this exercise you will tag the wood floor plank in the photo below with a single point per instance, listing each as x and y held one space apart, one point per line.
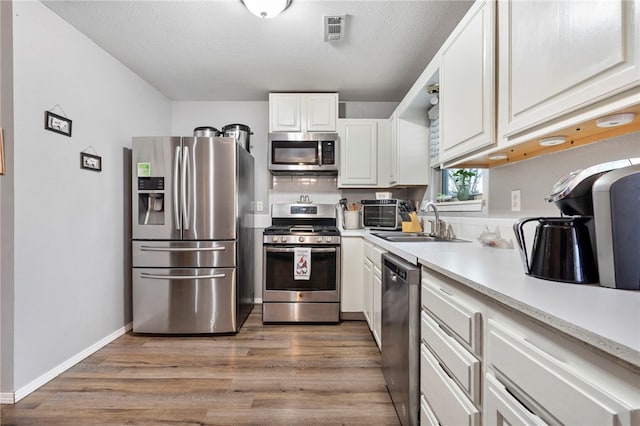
267 374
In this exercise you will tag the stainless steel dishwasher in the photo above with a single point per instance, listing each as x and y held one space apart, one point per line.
401 335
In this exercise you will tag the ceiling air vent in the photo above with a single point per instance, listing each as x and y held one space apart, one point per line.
334 27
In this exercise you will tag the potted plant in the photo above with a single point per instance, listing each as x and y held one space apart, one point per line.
464 179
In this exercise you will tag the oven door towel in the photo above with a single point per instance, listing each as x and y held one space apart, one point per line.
302 263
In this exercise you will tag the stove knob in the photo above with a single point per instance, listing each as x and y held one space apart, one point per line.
301 239
319 239
283 239
327 239
274 239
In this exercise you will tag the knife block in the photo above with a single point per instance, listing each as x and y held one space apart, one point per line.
414 225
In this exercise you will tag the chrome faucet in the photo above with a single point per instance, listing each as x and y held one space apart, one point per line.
438 227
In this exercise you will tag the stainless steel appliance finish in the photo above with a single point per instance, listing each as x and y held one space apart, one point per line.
316 299
241 132
401 335
293 153
616 205
192 235
383 214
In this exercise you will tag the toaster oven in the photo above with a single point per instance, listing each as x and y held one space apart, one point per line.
382 214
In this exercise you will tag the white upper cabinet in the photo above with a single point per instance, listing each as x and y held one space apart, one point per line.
467 76
408 160
358 152
303 112
364 152
557 57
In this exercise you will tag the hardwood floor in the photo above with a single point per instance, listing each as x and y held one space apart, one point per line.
266 374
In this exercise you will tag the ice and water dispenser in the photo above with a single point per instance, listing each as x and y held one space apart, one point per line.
151 201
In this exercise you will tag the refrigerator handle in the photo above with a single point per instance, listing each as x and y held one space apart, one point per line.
176 201
185 195
181 277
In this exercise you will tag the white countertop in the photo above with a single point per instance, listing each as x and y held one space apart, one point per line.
607 319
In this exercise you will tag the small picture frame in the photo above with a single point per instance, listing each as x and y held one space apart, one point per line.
90 162
57 123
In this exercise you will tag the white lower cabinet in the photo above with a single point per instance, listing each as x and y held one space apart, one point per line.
501 408
450 366
482 361
449 404
351 289
548 386
372 288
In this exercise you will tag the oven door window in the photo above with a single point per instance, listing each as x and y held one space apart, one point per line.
295 153
279 270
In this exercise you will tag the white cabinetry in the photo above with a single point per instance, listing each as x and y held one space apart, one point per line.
467 76
372 289
351 291
559 56
451 352
409 148
529 375
303 112
358 152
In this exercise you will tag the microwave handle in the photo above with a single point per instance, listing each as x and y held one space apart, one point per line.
320 153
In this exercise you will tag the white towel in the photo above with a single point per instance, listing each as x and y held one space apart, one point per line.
302 263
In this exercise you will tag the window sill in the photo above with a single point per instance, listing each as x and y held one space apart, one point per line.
461 206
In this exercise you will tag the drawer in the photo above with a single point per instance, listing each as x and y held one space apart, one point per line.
427 417
462 320
459 363
448 403
548 386
502 408
377 253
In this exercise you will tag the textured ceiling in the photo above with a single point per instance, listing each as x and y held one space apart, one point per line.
217 50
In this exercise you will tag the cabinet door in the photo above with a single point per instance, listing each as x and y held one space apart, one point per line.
393 151
377 305
285 112
322 112
559 56
367 291
358 152
351 274
467 106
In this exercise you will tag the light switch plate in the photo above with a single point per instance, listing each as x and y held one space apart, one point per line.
515 200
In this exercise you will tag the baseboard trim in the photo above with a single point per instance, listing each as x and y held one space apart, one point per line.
61 368
6 398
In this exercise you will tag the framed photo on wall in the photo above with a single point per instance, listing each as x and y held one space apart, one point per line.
90 162
57 123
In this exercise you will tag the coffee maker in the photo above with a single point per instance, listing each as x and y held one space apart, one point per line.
599 238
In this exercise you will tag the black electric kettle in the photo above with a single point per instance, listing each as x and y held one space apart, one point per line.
561 249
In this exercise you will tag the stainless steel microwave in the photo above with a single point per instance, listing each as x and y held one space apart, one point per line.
303 153
382 214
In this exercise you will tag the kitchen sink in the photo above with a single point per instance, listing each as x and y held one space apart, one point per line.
413 237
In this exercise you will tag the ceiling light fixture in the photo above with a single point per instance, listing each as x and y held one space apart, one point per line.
615 120
553 141
266 8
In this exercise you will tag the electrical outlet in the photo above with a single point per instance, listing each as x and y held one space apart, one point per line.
515 200
259 206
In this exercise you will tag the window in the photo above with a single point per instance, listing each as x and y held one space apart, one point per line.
461 184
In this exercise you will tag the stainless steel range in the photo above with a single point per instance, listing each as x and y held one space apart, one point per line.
301 258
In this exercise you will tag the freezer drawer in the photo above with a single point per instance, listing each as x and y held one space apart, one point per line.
184 254
184 301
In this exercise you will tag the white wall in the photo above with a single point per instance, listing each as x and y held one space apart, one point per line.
71 283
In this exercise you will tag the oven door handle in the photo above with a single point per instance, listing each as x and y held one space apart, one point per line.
292 249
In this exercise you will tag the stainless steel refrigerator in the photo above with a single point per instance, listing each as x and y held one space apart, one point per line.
192 235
